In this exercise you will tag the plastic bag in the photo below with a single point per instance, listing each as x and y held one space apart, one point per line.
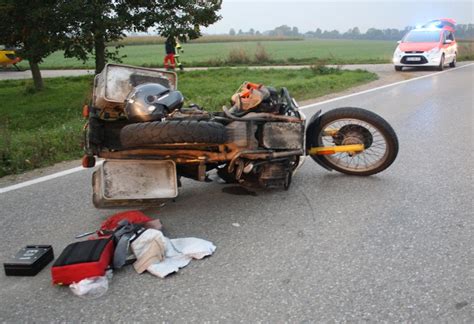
90 288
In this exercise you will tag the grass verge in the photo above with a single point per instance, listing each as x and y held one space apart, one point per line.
41 128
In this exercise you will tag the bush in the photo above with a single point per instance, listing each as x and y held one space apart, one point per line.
215 62
320 67
261 54
238 55
466 50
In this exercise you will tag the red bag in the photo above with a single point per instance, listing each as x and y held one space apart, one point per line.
83 260
133 217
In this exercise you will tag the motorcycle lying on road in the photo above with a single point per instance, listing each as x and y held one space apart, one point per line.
148 140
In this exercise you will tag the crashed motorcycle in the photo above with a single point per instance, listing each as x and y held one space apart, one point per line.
147 140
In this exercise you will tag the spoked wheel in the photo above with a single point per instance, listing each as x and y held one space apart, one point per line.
348 126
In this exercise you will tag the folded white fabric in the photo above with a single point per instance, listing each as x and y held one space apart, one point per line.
178 252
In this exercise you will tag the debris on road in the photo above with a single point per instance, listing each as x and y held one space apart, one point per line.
161 256
92 288
29 260
81 260
123 238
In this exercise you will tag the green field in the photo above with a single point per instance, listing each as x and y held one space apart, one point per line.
280 52
41 128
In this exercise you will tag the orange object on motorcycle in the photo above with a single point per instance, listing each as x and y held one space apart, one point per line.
249 97
251 85
245 93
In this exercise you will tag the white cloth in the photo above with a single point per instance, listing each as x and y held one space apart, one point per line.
178 252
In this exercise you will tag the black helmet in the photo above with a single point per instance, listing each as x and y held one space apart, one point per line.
151 101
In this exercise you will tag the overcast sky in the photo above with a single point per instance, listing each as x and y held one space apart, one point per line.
341 15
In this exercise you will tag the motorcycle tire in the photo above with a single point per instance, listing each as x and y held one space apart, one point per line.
355 126
172 131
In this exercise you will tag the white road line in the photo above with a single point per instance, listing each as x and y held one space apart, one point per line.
45 178
77 169
42 179
383 87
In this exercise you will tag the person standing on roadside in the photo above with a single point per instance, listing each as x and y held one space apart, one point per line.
169 61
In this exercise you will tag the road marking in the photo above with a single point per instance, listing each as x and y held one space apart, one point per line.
382 87
77 169
45 178
42 179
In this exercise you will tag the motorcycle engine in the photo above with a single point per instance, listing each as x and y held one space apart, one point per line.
275 175
268 175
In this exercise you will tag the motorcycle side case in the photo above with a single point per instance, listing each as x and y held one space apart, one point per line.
283 136
119 183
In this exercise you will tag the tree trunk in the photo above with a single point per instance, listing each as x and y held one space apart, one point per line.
36 73
99 45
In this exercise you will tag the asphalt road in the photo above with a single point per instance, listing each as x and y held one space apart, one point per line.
393 247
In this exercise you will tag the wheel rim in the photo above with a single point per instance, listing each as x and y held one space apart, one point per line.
369 159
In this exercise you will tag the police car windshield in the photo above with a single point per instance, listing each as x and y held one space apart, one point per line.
422 36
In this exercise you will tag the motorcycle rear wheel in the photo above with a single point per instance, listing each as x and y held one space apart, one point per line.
355 126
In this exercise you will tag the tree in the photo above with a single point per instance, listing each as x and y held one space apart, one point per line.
35 27
318 33
355 32
232 32
251 32
94 23
374 33
295 31
465 31
283 30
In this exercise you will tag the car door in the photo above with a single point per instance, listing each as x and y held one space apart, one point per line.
449 48
454 45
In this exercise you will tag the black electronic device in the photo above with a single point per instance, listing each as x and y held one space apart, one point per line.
29 260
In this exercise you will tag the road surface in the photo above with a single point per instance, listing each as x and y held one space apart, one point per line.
392 247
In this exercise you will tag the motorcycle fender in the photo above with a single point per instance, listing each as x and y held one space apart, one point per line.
313 125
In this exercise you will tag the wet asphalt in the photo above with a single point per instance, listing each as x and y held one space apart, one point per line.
393 247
